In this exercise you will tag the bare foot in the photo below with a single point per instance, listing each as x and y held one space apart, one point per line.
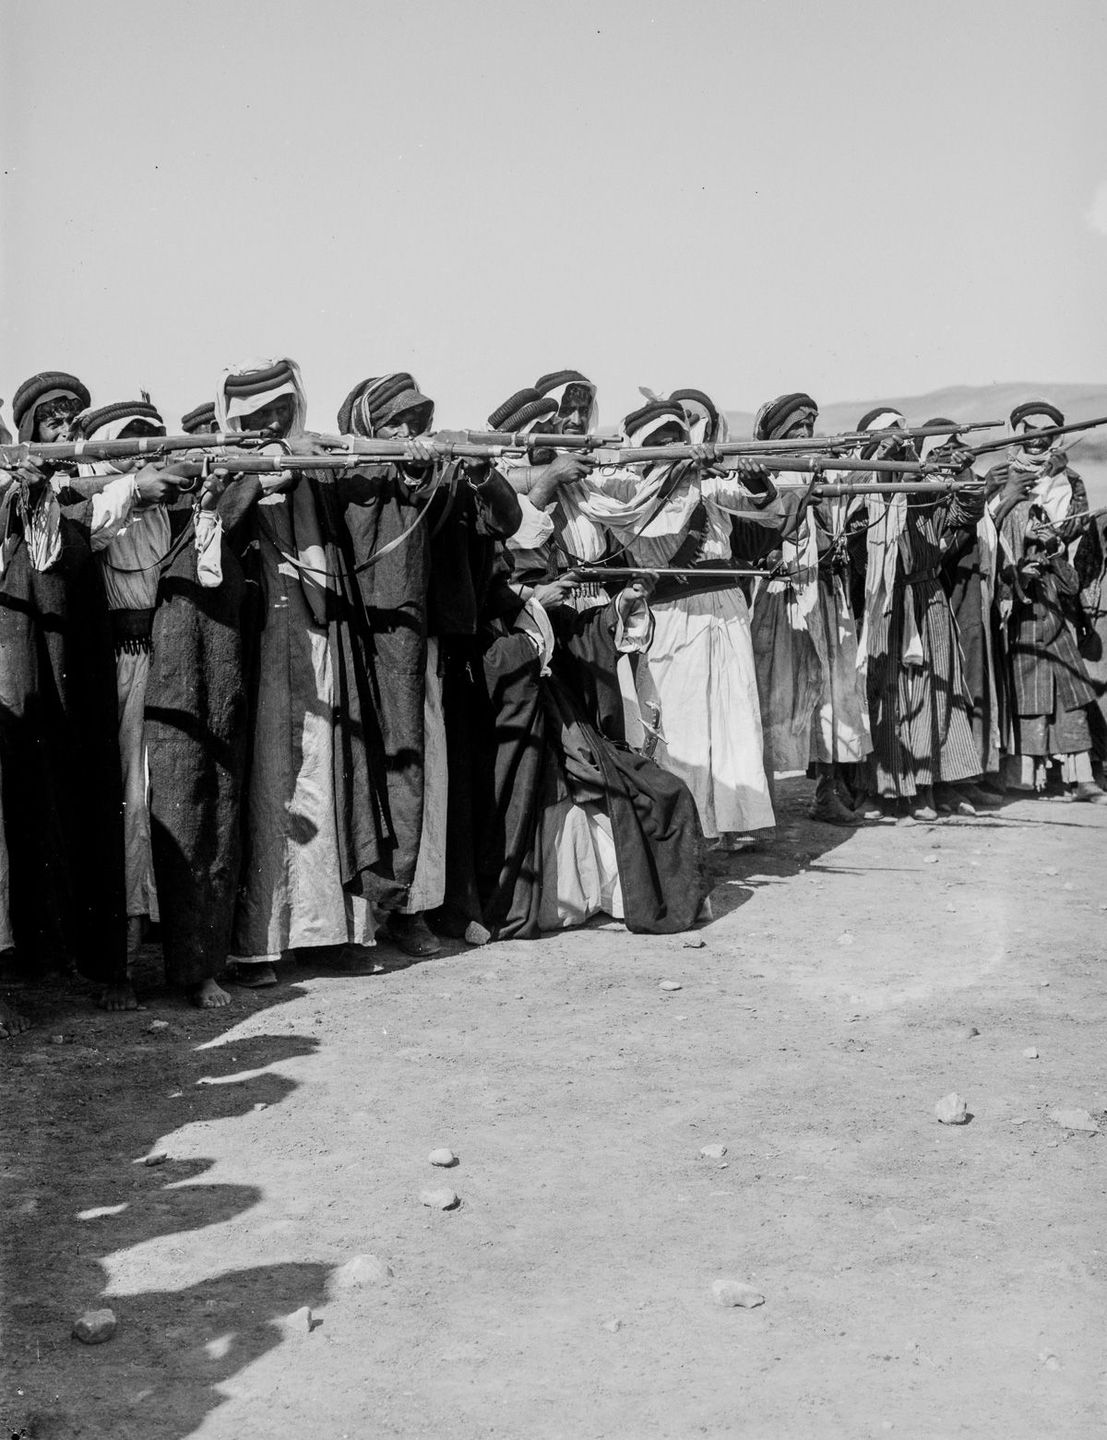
118 997
11 1022
208 996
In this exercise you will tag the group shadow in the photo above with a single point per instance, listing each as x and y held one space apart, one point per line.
88 1097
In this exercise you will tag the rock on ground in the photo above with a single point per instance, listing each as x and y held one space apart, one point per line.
952 1110
736 1293
95 1326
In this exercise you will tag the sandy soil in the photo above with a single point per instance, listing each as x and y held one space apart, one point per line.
919 1280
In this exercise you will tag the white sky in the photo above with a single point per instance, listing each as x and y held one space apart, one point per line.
856 198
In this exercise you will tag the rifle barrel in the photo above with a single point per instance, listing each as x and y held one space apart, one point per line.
1050 433
131 449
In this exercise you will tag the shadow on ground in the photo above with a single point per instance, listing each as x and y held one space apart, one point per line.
81 1070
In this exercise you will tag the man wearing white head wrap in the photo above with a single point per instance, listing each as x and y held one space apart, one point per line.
701 659
813 705
315 824
1049 565
129 555
177 662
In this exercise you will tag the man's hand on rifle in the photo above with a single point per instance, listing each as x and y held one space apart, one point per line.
555 592
634 593
154 486
565 468
747 469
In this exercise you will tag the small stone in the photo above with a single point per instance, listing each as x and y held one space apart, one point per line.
95 1326
362 1270
440 1199
970 1034
57 1039
952 1110
443 1157
670 985
1051 870
300 1322
1075 1120
713 1152
930 859
846 937
1049 1359
613 1326
155 1026
736 1293
694 945
1030 1053
158 1157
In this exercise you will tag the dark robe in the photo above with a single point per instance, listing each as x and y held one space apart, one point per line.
59 759
465 523
379 508
365 836
196 742
919 713
561 736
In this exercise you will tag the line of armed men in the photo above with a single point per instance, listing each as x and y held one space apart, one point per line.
281 694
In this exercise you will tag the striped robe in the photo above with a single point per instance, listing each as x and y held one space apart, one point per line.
918 701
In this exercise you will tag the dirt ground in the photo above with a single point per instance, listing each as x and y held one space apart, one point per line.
921 1280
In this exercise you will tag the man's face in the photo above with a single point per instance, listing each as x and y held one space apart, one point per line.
671 434
135 430
276 417
1034 443
406 425
575 410
52 420
801 429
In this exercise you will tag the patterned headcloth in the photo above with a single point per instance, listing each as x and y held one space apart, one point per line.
200 421
883 418
776 417
655 415
930 443
523 412
554 385
247 387
47 385
107 422
378 401
1036 415
701 413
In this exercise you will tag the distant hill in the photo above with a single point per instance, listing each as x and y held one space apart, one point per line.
980 402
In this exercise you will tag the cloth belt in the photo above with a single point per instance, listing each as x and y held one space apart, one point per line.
131 631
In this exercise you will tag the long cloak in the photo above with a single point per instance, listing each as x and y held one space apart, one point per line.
196 742
59 761
561 736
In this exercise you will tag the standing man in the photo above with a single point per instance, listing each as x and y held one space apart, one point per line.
812 696
316 834
1050 561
